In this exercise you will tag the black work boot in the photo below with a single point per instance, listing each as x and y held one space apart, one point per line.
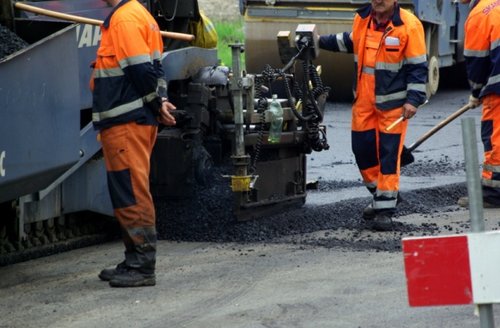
369 212
382 220
133 278
379 220
107 274
464 202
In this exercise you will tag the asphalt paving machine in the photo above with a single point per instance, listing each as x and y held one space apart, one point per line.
51 167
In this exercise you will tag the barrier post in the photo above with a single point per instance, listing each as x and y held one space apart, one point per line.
474 192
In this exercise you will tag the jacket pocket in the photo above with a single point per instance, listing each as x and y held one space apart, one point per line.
393 58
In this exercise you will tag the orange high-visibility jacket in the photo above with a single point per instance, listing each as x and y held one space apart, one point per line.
482 48
128 79
401 61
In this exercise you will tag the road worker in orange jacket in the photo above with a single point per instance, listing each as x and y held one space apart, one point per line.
129 100
391 72
482 58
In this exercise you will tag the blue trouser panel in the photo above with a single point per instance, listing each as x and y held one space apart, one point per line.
120 188
364 147
389 146
486 133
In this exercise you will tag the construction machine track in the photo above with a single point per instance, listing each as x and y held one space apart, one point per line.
48 237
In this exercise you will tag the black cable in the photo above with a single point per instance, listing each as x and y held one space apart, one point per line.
163 11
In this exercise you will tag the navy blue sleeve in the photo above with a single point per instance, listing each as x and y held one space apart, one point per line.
340 42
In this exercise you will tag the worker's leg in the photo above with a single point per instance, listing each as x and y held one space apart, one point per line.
364 133
490 135
390 147
127 151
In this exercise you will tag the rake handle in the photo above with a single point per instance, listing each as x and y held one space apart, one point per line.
396 122
85 20
439 126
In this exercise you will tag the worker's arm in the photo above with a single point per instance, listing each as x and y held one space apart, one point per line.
416 67
135 57
340 42
477 54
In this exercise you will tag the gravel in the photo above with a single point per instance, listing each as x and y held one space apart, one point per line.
9 42
208 217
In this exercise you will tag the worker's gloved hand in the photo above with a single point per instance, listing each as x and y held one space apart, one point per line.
474 102
166 117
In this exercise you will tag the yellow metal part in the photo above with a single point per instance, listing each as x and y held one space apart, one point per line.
240 183
298 106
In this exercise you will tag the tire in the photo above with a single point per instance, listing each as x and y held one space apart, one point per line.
433 70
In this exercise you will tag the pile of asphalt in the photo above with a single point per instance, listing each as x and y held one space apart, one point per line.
10 42
208 217
429 167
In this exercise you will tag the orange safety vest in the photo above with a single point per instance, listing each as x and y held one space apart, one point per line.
482 56
400 62
128 79
482 48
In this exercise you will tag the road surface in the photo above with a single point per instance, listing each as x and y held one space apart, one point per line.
318 266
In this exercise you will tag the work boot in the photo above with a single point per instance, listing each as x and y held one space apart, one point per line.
464 202
369 212
107 274
382 220
133 278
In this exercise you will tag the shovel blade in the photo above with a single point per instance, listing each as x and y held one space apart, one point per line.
406 157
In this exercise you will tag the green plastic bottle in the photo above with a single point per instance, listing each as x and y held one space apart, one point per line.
276 117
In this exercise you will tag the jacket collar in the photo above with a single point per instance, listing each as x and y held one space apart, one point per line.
108 19
365 12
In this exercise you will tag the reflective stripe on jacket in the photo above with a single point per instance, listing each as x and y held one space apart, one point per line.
401 61
128 79
482 48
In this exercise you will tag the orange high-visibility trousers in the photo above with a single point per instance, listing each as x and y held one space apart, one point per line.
127 151
376 150
490 135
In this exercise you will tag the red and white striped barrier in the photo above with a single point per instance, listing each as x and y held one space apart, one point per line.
453 270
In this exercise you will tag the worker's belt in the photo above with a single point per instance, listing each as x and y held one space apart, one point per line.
368 70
